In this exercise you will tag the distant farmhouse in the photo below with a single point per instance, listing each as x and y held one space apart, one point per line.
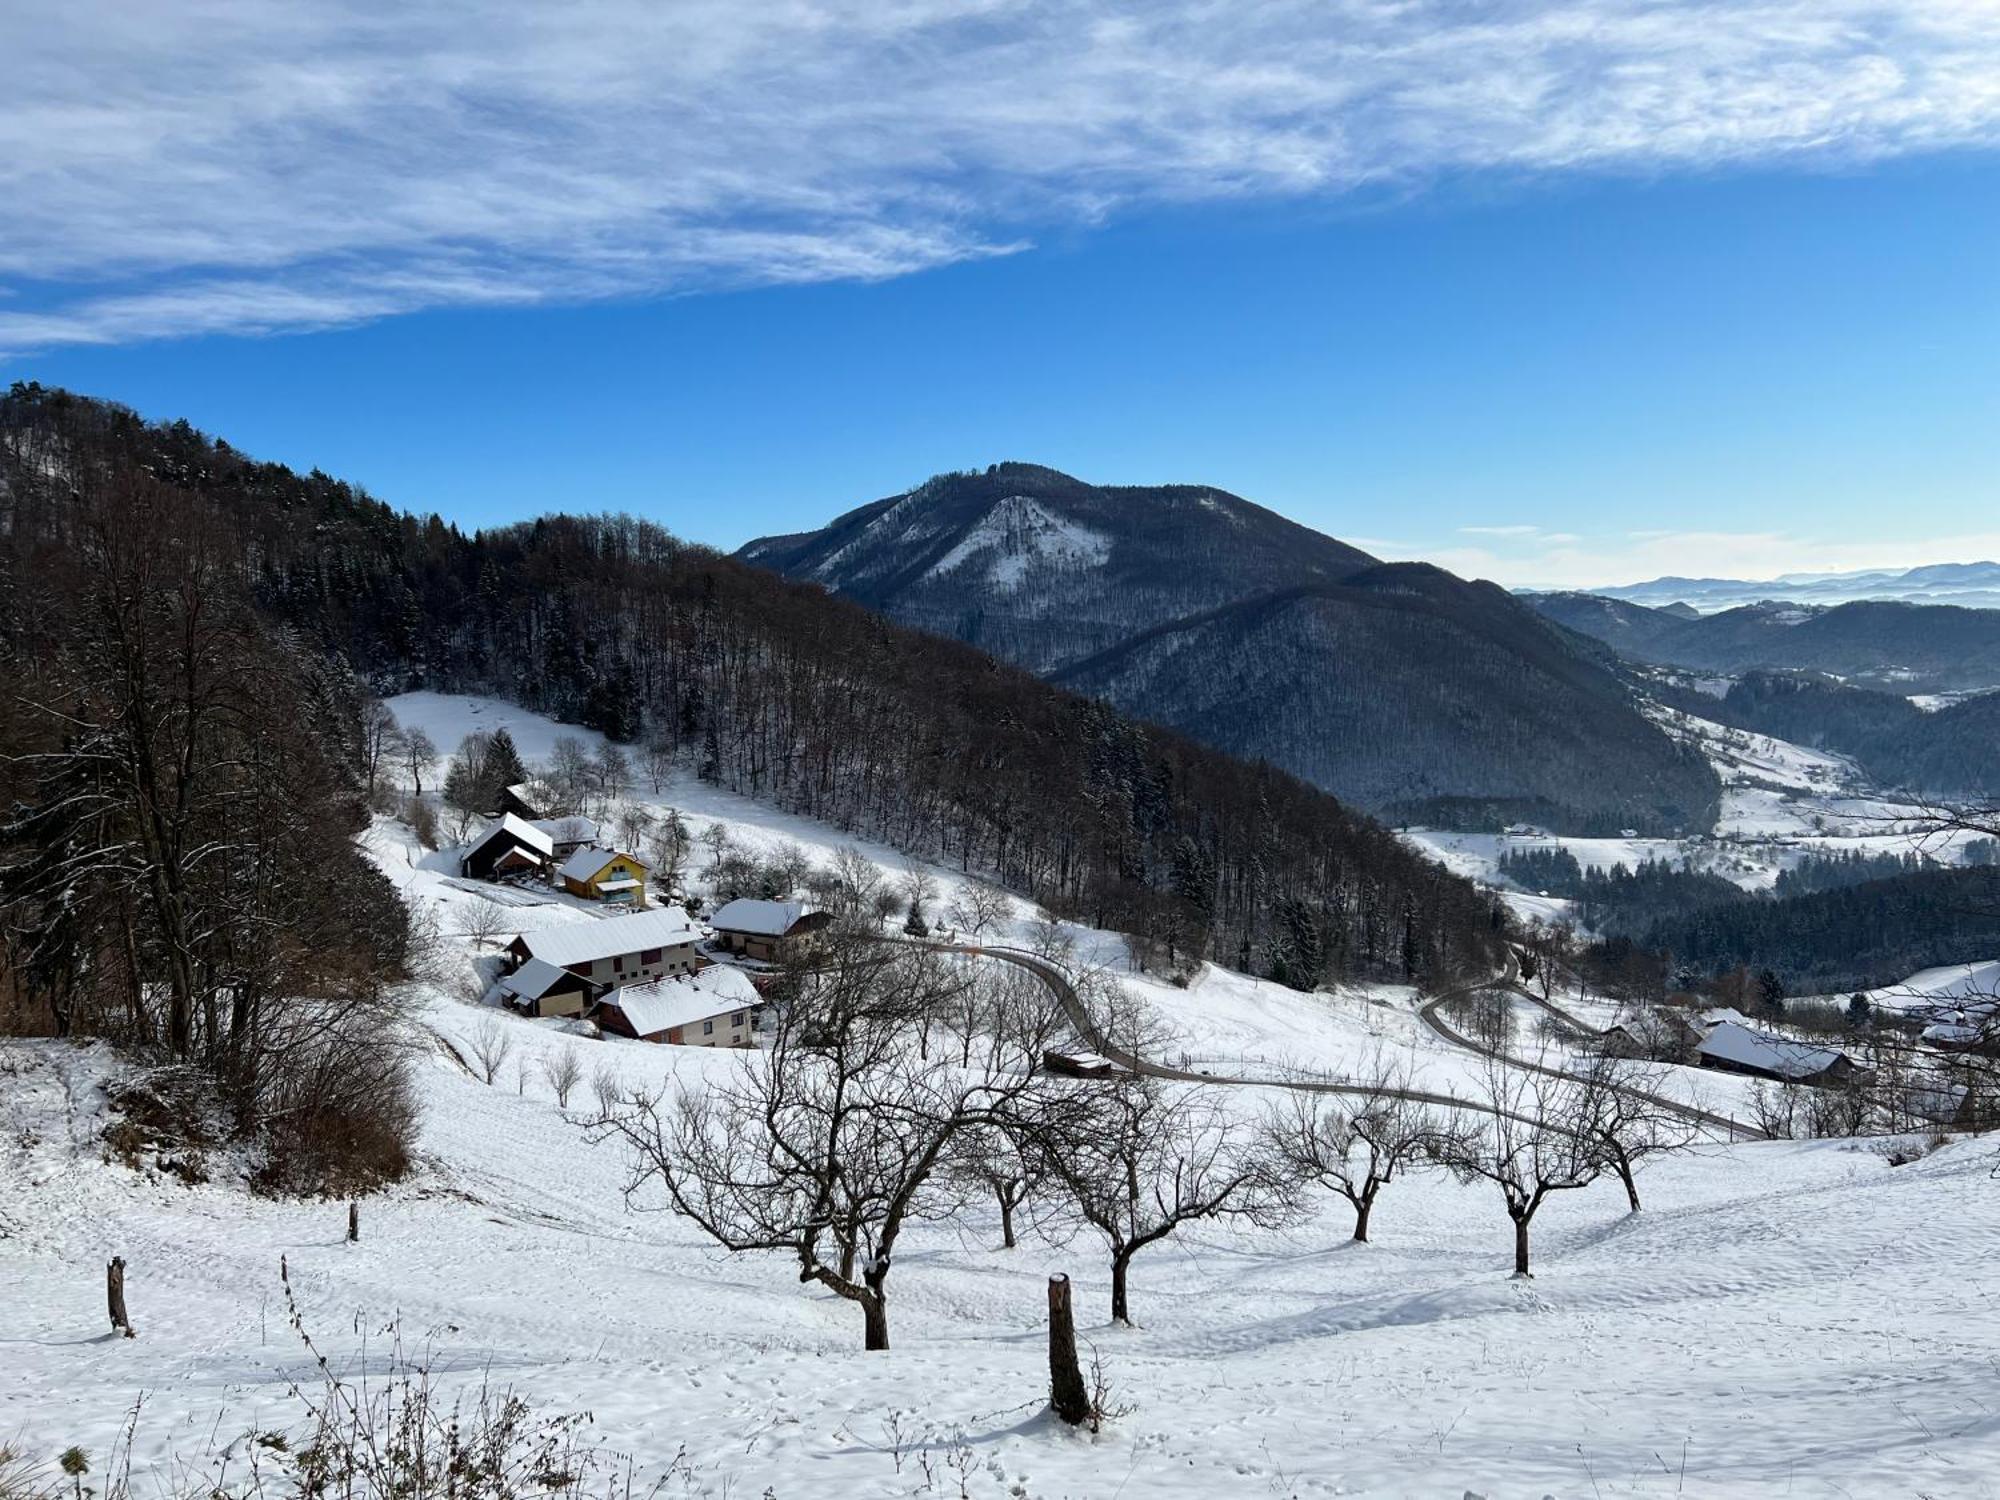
604 875
765 930
614 951
716 1007
1732 1048
512 846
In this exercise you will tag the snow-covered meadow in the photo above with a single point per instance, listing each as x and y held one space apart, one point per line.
1796 1318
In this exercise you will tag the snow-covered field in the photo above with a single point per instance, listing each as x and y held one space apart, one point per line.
1784 1318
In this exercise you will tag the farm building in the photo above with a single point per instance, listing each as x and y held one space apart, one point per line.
539 988
604 875
568 834
714 1008
618 950
511 846
765 929
1731 1048
531 800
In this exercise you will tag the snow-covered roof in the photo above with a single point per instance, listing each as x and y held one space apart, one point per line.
761 918
683 999
586 942
1731 1043
520 829
590 859
535 978
1722 1015
571 830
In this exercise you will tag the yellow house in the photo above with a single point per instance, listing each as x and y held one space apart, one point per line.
604 875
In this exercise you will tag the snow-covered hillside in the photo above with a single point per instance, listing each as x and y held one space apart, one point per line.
1794 1318
1781 804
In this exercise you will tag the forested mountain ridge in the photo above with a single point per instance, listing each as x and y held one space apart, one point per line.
1397 686
1043 569
1906 646
809 702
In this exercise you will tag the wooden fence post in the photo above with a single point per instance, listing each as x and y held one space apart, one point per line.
114 1294
353 1222
1067 1392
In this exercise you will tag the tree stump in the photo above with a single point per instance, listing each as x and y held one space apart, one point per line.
353 1222
114 1294
1067 1393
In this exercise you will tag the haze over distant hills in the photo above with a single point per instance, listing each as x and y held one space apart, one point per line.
1398 686
1895 645
1974 584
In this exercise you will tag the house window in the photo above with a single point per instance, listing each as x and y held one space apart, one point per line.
708 1028
650 956
737 1019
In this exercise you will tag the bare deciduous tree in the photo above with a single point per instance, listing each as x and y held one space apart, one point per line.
381 742
657 760
492 1045
483 921
977 908
1139 1158
1531 1141
564 1071
419 752
1616 1110
990 1163
826 1147
1356 1149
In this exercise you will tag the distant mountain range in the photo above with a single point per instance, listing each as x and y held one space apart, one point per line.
1974 584
1898 646
1398 686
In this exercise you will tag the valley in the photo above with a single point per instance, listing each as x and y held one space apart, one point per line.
1283 1363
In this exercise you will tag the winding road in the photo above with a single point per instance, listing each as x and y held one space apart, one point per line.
1060 985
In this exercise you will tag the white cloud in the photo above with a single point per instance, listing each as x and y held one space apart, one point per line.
256 166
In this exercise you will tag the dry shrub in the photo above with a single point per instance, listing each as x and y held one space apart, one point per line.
339 1109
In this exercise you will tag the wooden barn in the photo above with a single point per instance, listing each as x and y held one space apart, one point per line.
511 846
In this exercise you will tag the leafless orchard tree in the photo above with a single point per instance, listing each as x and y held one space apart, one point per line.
564 1071
977 908
492 1045
827 1145
1613 1111
991 1164
1356 1149
1530 1141
483 921
1137 1158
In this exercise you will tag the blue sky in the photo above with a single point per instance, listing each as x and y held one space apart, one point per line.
1511 311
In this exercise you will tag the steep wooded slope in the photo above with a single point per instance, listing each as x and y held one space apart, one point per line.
812 703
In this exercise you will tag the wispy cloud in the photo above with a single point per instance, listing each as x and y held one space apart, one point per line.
1499 530
257 166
